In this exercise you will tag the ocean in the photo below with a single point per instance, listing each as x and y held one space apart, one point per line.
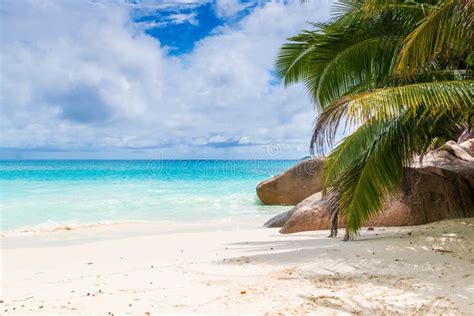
46 194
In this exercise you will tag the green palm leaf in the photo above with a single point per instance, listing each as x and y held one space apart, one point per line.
358 67
293 58
448 29
387 103
363 182
337 58
382 104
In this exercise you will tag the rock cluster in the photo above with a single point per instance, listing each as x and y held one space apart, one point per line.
440 187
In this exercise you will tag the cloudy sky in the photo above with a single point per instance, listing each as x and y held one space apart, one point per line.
143 79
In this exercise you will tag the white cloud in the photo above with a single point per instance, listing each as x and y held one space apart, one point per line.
80 75
184 18
228 8
245 140
217 139
172 19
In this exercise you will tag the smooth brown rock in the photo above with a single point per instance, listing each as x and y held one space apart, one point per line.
442 189
294 185
310 213
280 219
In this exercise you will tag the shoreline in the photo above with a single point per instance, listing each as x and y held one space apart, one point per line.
228 223
67 234
424 269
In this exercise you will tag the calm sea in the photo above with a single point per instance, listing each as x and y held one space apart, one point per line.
74 192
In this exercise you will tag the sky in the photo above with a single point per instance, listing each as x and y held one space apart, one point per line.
151 79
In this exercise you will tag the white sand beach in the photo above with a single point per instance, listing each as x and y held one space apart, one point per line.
426 270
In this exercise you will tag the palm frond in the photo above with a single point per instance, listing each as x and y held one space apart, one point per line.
360 66
344 7
356 38
349 149
448 29
381 104
292 60
364 181
385 104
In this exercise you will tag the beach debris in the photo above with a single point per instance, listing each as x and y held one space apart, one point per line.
243 292
89 263
1 301
409 233
41 306
370 228
441 250
130 305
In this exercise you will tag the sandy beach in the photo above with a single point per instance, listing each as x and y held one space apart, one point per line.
411 270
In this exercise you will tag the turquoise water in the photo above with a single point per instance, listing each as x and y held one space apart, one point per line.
50 193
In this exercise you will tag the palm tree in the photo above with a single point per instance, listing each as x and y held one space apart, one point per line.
397 74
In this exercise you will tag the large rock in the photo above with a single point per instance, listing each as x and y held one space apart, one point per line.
443 188
311 213
280 219
294 185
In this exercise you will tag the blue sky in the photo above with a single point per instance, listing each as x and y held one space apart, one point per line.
150 79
